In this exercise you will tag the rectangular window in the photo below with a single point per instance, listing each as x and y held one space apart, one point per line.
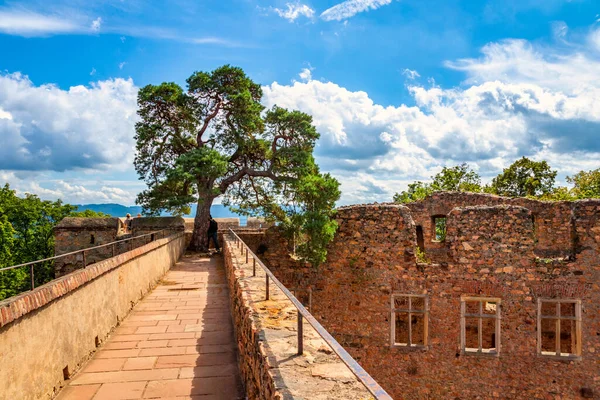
409 320
559 327
480 325
439 228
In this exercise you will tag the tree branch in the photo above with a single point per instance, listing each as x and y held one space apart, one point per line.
206 121
225 183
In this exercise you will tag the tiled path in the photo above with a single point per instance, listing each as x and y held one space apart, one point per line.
177 343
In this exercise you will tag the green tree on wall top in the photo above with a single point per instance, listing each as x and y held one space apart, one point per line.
586 184
525 178
215 139
458 178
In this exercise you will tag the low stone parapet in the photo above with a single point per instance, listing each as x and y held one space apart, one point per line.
266 334
48 333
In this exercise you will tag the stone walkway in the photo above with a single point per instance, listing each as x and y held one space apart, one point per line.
177 343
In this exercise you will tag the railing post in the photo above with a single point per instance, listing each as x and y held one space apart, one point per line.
246 256
242 252
113 250
84 263
300 335
253 266
32 276
267 287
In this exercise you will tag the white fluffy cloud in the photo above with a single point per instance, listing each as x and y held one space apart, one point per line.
79 191
294 11
56 130
96 24
518 100
350 8
27 23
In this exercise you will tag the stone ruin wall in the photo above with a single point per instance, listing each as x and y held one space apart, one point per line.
518 250
553 221
514 249
74 234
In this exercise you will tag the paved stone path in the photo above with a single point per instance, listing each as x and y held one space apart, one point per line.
177 343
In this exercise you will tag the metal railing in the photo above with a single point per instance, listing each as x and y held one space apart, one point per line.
372 386
152 235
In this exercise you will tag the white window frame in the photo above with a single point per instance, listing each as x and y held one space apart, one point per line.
558 318
410 311
480 316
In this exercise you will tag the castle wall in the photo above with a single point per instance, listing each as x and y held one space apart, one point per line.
73 234
553 221
493 250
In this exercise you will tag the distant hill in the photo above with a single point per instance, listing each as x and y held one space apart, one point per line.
118 210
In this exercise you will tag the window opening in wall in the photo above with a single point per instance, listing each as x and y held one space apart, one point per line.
66 373
92 239
480 325
439 228
420 238
559 327
409 320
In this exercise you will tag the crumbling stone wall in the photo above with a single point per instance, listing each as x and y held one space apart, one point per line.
586 215
518 251
148 225
553 221
373 248
73 234
266 334
484 238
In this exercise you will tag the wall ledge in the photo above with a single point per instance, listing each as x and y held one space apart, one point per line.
16 307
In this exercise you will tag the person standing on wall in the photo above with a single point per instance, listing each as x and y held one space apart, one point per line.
128 220
213 228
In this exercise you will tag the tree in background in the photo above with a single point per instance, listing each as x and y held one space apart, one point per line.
586 184
29 221
525 178
214 140
459 178
89 214
26 234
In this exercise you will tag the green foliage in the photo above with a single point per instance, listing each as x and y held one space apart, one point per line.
26 234
560 193
459 178
525 178
416 191
586 184
89 214
215 140
421 256
315 225
440 229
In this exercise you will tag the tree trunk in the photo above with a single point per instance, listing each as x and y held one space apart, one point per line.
201 224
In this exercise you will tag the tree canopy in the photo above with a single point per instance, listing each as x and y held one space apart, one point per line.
523 178
26 234
586 184
215 139
459 178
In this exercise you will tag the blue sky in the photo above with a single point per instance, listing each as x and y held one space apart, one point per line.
398 89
